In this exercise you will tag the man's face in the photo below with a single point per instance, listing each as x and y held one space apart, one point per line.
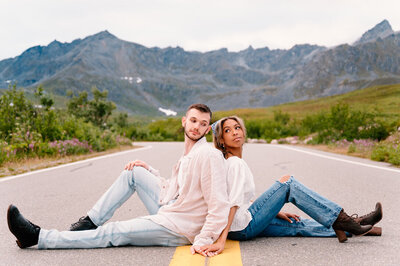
196 124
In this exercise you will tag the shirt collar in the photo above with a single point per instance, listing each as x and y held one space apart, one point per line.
198 144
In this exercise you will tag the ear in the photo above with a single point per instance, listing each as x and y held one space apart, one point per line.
208 130
183 121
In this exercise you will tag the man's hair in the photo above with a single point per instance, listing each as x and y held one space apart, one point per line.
200 107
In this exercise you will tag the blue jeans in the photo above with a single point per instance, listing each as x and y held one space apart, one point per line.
136 232
267 206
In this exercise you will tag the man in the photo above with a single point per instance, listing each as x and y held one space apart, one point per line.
190 207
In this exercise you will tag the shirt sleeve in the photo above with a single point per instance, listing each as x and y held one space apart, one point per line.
214 189
154 171
236 177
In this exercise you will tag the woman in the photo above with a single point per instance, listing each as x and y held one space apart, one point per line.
248 220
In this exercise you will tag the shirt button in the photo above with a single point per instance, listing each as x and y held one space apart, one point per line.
163 186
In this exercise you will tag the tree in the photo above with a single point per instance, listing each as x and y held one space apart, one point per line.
97 110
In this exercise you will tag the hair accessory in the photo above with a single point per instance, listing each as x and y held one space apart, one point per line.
213 126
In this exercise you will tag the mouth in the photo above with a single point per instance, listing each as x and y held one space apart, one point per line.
237 139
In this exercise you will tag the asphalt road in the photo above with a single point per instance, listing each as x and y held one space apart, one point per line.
55 198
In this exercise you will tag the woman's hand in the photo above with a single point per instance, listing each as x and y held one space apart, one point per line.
129 166
213 249
197 249
286 216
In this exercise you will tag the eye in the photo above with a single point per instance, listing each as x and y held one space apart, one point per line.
203 124
237 127
227 130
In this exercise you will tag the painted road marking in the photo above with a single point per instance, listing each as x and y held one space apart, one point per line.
3 179
339 159
230 257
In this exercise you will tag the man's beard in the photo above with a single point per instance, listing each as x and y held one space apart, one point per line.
194 139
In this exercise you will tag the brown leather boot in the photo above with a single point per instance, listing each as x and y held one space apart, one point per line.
370 218
375 231
346 223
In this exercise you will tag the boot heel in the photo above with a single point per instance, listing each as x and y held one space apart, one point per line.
375 231
341 235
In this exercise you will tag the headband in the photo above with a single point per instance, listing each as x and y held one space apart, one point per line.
214 125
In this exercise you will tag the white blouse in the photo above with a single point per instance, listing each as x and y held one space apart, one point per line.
241 190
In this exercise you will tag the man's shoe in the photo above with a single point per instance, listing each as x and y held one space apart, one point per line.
27 233
370 218
84 223
346 223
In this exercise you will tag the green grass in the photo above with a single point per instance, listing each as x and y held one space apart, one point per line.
385 99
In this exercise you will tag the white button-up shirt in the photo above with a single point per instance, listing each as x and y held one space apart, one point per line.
200 211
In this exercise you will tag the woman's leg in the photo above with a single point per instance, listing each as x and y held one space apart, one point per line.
139 179
305 227
135 232
267 206
263 210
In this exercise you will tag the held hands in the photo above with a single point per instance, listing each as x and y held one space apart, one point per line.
197 249
129 166
208 250
286 216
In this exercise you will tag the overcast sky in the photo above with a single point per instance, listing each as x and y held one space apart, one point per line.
193 25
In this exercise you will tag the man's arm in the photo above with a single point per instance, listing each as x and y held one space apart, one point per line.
129 166
214 189
219 245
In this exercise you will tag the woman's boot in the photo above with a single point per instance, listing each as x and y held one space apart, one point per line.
375 231
346 223
370 218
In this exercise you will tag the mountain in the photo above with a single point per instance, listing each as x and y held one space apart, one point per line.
141 79
381 30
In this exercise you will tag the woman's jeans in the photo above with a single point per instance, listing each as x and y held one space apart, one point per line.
138 232
268 205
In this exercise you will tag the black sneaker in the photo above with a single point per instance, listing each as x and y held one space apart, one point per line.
27 233
84 223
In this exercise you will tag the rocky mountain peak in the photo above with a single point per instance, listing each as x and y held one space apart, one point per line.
381 30
102 35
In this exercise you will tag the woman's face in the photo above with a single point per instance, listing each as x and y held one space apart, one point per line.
232 134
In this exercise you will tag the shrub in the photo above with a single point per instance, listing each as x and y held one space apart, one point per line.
386 153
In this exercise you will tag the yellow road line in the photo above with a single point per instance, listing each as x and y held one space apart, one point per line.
183 257
230 256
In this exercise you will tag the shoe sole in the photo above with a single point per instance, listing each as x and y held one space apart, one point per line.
342 237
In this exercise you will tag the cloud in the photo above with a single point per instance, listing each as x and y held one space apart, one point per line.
194 25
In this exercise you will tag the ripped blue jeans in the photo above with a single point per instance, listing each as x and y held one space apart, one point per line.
264 210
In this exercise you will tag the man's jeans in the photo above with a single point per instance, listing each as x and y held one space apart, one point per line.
137 232
267 206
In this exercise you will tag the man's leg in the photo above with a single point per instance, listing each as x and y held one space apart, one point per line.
139 179
135 232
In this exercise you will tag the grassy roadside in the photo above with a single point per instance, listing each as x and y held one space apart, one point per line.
384 98
31 164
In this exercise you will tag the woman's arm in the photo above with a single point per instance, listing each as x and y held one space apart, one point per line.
218 246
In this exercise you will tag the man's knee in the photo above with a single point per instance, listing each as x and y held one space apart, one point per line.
284 179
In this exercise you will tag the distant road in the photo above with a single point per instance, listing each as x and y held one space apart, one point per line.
54 198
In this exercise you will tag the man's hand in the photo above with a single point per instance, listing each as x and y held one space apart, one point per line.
197 249
286 216
129 166
214 249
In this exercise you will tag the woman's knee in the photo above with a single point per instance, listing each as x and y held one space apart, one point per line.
284 179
